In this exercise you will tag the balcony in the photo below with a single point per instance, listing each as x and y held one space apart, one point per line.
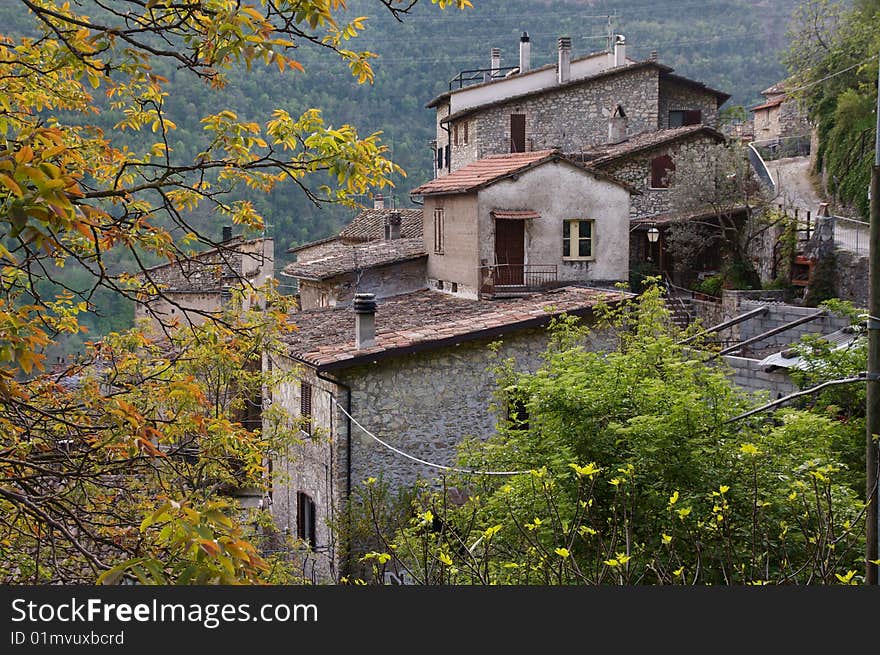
507 280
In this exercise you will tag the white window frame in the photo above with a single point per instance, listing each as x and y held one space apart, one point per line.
571 233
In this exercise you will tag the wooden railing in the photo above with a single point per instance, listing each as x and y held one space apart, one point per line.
499 278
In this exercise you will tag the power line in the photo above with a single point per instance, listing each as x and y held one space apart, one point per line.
828 77
416 459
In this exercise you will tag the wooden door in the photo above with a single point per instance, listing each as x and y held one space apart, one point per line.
510 255
517 133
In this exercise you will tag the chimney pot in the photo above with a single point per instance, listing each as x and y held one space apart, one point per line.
495 63
364 320
379 201
525 53
227 233
563 69
620 50
394 222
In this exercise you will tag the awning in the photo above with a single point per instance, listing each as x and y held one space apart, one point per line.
514 214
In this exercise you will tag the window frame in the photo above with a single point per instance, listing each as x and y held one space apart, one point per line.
306 509
439 227
568 236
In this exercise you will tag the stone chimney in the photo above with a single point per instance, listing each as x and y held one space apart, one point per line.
620 50
379 201
495 63
563 68
364 320
394 221
227 233
617 126
525 53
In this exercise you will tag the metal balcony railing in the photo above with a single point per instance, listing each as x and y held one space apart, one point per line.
512 278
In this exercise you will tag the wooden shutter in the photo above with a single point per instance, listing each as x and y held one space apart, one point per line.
693 117
517 133
305 405
660 168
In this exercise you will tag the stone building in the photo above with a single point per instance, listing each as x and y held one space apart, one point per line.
574 105
779 117
190 290
388 390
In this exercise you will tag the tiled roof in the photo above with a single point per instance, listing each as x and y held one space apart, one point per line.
342 258
515 214
483 172
428 319
721 96
771 103
370 224
644 141
312 244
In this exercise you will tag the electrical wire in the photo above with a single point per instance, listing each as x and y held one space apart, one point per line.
416 459
828 77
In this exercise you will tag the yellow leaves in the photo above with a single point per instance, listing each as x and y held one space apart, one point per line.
847 578
381 558
673 498
562 552
667 539
11 184
588 471
534 525
620 559
488 533
684 513
749 449
445 559
679 572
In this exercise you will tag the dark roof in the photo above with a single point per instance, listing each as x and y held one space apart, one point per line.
344 258
312 244
694 84
600 156
777 88
485 172
609 72
370 224
688 215
427 319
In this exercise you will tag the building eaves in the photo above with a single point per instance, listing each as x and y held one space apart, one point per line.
775 102
646 141
610 72
489 170
312 244
720 95
427 320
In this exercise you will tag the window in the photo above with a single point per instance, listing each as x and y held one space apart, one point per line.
460 134
440 158
465 128
305 406
517 133
682 117
577 239
439 216
305 519
662 168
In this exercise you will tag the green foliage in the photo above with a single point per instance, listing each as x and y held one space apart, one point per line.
632 475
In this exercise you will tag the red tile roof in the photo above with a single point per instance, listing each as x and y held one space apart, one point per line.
515 214
341 258
775 102
428 319
484 172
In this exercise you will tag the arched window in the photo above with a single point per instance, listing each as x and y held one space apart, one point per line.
662 168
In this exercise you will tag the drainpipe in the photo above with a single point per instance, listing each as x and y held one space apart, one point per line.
321 376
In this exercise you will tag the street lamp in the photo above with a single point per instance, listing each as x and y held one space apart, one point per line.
653 234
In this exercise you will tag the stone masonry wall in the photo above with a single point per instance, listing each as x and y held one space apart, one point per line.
748 374
681 97
573 118
851 277
778 315
636 170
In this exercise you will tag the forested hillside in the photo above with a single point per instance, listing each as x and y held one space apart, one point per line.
732 45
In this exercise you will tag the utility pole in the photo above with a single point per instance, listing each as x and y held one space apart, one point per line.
872 408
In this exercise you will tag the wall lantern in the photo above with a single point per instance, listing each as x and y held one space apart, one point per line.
653 234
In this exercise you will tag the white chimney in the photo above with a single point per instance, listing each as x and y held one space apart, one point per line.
617 125
525 53
393 225
563 69
364 320
495 63
379 201
620 50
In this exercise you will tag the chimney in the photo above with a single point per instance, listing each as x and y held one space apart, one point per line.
620 50
617 125
563 69
364 320
379 201
495 63
227 233
394 222
653 56
525 53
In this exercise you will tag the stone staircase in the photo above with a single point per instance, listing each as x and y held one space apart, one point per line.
681 310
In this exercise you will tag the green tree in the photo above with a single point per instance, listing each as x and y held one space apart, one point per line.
631 473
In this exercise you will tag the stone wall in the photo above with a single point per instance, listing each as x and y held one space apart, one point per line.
682 97
573 118
779 314
636 170
851 277
748 374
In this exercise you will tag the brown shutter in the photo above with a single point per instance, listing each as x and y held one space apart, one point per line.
693 117
305 405
660 168
517 133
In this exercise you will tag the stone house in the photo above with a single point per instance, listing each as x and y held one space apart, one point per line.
389 388
779 117
524 221
573 105
192 289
